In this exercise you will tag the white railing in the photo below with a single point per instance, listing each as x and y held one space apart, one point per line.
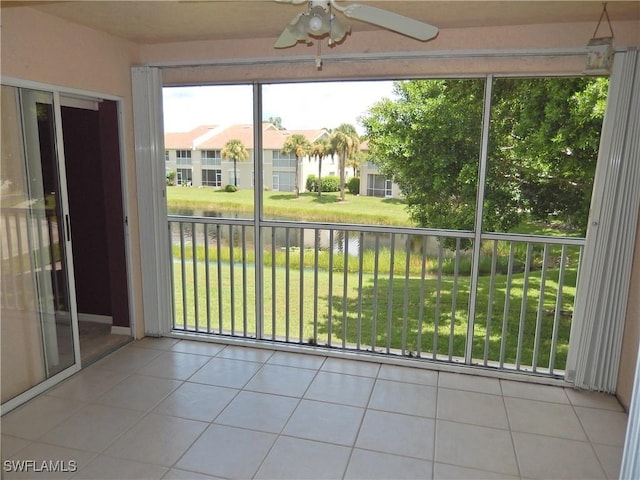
393 291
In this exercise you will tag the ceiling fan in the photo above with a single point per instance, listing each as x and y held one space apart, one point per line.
319 21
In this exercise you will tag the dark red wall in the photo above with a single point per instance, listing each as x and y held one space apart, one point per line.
95 207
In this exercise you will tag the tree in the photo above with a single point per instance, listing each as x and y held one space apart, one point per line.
299 146
277 122
543 145
344 143
319 149
428 141
235 150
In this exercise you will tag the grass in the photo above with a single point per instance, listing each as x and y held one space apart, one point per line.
308 207
317 310
310 303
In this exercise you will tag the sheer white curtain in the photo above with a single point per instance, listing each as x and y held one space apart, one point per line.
603 285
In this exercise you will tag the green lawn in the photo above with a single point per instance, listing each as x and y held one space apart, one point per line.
308 207
406 314
373 314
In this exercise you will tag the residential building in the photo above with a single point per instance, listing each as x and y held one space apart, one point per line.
196 157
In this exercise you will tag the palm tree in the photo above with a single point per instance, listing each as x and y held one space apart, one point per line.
235 150
299 146
344 143
319 149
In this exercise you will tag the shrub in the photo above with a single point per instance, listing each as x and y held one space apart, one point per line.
353 185
330 183
312 183
230 188
171 177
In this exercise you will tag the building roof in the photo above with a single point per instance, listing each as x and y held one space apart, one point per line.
216 137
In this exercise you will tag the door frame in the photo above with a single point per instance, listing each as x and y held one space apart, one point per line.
59 92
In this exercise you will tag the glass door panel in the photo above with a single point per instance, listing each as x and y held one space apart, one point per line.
38 326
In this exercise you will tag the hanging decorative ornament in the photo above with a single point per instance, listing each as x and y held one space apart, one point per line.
600 49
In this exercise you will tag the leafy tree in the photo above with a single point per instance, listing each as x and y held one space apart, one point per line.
299 146
235 150
545 134
277 122
543 147
345 142
319 149
428 141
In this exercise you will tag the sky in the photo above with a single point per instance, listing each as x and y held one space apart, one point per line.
301 106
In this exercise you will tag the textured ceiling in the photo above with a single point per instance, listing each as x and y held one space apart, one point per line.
172 21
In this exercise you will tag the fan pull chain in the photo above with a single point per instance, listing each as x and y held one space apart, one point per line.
318 57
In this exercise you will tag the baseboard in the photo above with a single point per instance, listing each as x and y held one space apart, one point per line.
115 330
92 317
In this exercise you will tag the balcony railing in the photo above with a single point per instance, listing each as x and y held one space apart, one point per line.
391 291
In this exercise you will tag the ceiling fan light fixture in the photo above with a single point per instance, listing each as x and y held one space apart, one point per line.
337 30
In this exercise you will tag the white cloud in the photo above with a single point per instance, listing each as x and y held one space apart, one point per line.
300 105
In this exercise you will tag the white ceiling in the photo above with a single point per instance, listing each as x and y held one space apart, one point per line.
150 21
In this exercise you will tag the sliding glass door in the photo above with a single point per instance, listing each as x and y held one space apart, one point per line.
39 325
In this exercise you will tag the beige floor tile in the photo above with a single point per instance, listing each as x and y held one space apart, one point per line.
245 353
547 457
338 388
258 411
603 426
156 343
472 407
397 434
226 372
472 383
299 360
109 468
351 367
196 401
365 464
443 471
582 398
197 348
325 422
157 439
128 359
474 446
610 458
12 445
34 419
401 397
544 418
532 391
295 458
281 380
92 428
175 474
69 462
88 384
227 452
410 375
179 366
139 392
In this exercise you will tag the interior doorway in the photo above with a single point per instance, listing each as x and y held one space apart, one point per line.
94 190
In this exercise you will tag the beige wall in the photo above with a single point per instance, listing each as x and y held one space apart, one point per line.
631 339
42 48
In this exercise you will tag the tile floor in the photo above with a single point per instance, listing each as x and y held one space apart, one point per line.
178 409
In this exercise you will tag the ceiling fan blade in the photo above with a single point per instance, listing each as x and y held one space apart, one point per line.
290 36
286 39
391 21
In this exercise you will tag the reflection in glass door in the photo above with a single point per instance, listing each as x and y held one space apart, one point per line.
39 330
